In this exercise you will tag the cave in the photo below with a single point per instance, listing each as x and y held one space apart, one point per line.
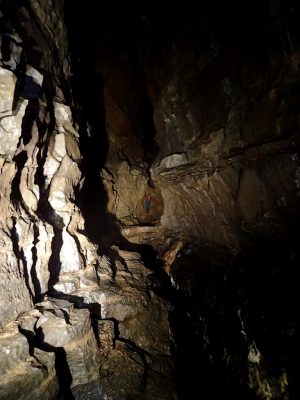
149 200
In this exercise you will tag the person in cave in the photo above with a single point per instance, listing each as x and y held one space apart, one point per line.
147 202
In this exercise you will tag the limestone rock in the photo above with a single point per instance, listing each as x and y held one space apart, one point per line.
122 373
149 328
25 375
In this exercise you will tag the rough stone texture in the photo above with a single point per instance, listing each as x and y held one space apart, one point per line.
120 286
199 109
21 368
127 188
61 301
15 292
39 171
223 85
122 373
77 363
147 329
224 116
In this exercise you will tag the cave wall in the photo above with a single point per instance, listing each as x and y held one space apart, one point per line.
223 157
222 165
228 128
201 110
40 164
41 245
68 307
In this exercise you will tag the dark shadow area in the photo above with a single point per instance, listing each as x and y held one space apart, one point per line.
196 373
98 38
62 369
78 301
94 322
89 115
6 31
160 280
33 272
54 264
268 278
20 161
145 116
9 45
93 144
47 213
22 262
31 114
223 305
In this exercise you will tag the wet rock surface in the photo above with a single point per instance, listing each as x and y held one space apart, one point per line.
234 318
194 296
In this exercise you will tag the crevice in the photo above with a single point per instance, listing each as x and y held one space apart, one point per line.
92 198
54 264
114 256
116 328
78 301
240 176
30 336
95 328
21 259
150 259
78 245
20 161
34 277
149 144
64 377
143 224
62 372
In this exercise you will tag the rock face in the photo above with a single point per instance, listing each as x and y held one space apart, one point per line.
227 138
99 296
68 311
222 158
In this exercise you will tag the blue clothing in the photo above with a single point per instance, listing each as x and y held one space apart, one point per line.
147 203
